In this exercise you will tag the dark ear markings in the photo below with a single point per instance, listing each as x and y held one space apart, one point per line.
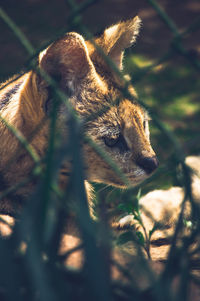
51 96
48 104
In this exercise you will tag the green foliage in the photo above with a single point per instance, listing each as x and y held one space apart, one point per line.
38 272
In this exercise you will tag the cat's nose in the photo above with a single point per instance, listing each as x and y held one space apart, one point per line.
149 164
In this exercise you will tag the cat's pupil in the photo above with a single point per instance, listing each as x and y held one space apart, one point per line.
118 142
111 141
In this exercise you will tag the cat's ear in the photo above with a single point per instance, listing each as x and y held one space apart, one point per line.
67 60
118 37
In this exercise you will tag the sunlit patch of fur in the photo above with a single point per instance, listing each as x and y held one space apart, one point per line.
91 86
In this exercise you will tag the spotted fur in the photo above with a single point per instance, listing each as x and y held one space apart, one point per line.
92 87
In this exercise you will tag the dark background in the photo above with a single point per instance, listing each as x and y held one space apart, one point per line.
42 20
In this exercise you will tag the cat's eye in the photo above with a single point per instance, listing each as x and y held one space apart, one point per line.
118 142
110 142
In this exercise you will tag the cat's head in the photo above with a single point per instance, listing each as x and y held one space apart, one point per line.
115 121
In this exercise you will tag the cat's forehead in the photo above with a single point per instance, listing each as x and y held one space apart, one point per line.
117 117
108 95
130 108
123 113
128 111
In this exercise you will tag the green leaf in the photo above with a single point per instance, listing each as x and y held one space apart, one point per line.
139 194
140 238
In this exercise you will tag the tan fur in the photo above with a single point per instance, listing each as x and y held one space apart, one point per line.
92 85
